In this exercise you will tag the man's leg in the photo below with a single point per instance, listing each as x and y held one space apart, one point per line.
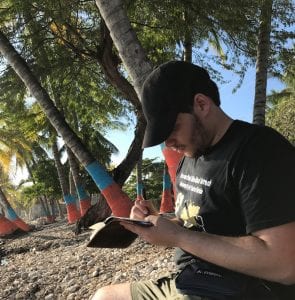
113 292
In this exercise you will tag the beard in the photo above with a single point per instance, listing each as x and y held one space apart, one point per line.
200 139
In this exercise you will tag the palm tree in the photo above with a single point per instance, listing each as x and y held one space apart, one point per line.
84 198
70 201
262 62
167 201
130 50
12 145
6 227
140 190
11 214
118 201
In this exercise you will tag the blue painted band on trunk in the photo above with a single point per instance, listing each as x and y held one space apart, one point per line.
69 199
166 182
99 175
139 189
11 214
81 193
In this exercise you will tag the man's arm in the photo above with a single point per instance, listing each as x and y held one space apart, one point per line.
267 254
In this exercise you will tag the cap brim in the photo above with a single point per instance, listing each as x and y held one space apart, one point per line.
159 129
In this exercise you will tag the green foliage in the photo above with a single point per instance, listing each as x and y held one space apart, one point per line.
152 177
281 105
282 118
45 182
64 43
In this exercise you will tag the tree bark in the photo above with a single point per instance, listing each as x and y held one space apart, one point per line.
262 63
122 172
130 50
60 212
60 171
139 188
43 206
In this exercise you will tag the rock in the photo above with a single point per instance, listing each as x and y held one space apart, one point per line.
71 297
24 275
95 273
73 288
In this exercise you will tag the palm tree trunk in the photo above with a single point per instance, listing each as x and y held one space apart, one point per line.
187 43
172 159
60 171
167 201
130 50
72 212
60 212
44 209
6 227
139 183
84 198
262 63
118 201
11 214
53 210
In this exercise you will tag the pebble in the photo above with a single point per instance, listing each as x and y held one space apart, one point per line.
95 273
63 268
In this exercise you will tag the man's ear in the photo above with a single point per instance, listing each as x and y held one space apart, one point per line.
202 104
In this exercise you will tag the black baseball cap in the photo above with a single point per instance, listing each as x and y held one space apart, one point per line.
169 90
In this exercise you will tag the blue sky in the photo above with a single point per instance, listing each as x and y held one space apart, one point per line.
238 106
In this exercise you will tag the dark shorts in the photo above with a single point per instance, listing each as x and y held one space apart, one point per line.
162 288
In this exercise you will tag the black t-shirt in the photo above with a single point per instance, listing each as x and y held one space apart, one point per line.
242 184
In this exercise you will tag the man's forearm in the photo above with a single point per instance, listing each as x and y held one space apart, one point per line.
248 254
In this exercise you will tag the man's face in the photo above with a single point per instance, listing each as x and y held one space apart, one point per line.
189 136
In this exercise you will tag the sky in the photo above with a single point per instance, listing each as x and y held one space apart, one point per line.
238 105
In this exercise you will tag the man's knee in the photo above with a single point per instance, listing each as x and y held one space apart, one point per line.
101 294
113 292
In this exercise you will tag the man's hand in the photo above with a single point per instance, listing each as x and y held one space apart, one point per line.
141 209
164 232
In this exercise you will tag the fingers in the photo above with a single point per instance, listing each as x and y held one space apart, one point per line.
153 219
141 209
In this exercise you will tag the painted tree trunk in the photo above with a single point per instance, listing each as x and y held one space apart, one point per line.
84 198
139 183
6 227
172 159
167 201
1 209
262 63
72 212
48 213
118 201
11 214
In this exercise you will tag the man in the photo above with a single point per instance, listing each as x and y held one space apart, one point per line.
235 206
